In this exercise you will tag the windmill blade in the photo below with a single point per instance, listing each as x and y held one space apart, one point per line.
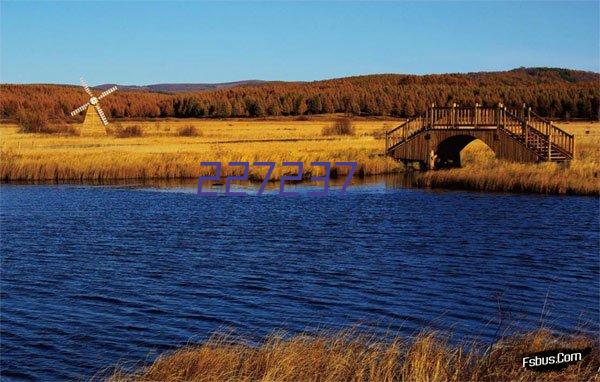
107 92
80 109
86 87
101 114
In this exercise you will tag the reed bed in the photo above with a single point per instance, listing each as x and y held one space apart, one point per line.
163 152
349 356
544 178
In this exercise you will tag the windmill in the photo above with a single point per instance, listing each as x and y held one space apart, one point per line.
92 119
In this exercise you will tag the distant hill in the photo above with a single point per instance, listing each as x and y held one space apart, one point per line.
181 88
554 74
552 92
522 76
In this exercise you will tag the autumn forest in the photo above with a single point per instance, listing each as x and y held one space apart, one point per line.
554 93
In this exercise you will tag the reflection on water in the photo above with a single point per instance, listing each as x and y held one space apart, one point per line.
96 275
400 180
372 183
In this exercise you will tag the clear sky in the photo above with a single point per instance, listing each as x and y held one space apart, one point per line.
157 42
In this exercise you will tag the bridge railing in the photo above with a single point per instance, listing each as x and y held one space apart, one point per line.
486 116
562 140
530 136
403 132
440 116
510 122
453 116
538 133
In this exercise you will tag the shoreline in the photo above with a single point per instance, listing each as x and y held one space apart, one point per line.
451 180
161 153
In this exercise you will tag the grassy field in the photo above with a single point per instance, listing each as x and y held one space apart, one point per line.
354 357
162 153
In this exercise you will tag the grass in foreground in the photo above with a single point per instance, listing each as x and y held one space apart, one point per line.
347 357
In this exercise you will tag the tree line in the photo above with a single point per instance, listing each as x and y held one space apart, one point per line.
554 93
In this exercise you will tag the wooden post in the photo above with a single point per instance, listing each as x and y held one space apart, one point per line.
431 160
549 145
453 115
475 114
432 115
526 134
499 115
386 142
524 123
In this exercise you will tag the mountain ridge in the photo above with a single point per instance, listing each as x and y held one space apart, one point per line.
184 87
536 74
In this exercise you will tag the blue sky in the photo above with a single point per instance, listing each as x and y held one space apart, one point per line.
157 42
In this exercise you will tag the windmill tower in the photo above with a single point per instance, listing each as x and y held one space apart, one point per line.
95 120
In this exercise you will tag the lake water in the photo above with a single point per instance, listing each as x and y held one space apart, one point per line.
93 276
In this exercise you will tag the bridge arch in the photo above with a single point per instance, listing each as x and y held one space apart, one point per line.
447 153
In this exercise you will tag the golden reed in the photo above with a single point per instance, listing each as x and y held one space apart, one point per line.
163 153
353 357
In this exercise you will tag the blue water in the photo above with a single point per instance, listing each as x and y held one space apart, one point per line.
96 276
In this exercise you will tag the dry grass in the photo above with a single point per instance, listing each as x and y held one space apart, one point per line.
352 357
189 131
60 129
481 171
36 122
121 131
342 126
162 154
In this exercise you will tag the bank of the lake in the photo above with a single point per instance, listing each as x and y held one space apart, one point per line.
161 153
576 178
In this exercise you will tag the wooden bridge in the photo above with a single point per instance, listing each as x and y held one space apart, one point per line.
436 139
